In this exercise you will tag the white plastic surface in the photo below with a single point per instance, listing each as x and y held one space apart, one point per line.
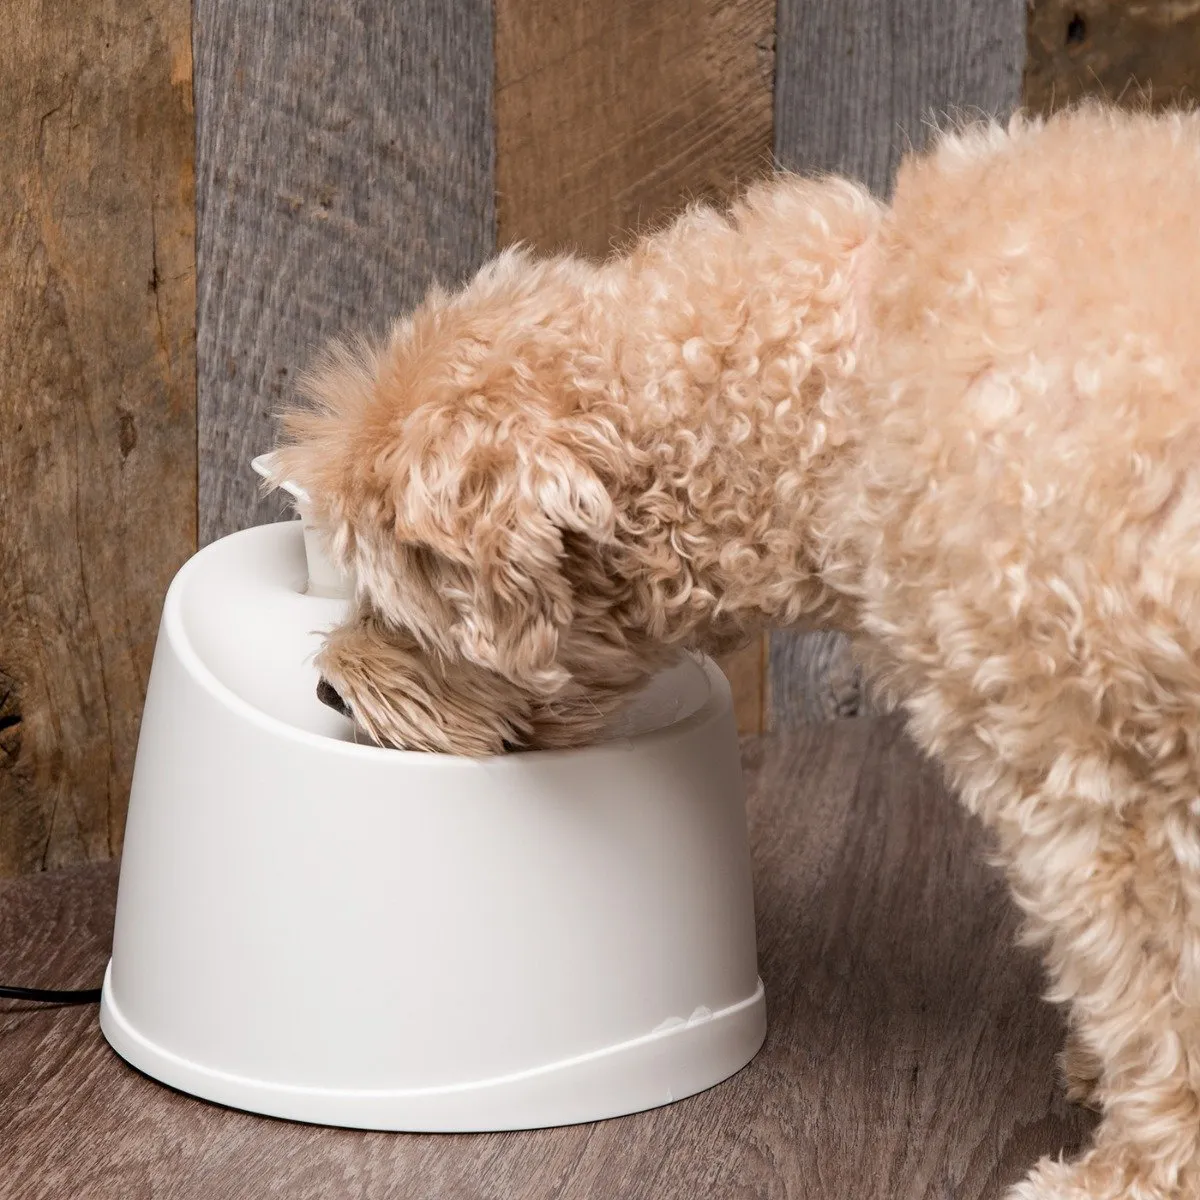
343 934
324 579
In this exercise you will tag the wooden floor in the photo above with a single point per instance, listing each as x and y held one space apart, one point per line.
908 1054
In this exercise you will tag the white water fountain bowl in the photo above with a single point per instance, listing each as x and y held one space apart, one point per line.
333 932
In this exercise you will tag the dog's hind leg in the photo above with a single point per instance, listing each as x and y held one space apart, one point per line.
1112 893
1081 1069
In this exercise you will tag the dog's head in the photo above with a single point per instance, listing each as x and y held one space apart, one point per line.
459 477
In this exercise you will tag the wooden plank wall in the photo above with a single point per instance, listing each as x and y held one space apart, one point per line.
1134 53
344 161
857 81
347 154
610 118
97 402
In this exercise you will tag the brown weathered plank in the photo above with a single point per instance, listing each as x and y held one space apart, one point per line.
908 1054
746 670
344 161
857 82
97 402
610 117
1144 54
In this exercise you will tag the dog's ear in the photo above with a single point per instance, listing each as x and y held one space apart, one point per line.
482 509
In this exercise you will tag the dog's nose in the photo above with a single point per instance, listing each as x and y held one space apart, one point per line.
327 694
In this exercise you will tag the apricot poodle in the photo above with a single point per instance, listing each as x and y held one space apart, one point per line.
964 428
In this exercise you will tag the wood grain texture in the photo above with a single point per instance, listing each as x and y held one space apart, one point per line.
746 671
1136 53
97 403
908 1055
612 117
814 678
857 82
344 162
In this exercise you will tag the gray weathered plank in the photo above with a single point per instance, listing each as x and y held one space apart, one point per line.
908 1054
856 82
97 403
814 678
344 161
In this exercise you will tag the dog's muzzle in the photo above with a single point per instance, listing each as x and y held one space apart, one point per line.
328 694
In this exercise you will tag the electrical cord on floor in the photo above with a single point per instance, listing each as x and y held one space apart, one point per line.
51 995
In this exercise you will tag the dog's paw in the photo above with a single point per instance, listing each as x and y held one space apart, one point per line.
1080 1070
1096 1176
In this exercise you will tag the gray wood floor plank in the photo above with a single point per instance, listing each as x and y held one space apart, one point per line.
908 1054
856 82
344 161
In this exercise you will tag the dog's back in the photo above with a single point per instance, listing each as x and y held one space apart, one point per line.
1026 505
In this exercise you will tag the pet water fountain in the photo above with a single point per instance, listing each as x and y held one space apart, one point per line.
319 929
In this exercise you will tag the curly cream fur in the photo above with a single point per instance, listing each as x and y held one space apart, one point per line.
964 429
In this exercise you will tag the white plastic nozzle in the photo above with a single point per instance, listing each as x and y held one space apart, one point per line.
324 577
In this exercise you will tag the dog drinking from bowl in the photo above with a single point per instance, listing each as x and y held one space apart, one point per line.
963 428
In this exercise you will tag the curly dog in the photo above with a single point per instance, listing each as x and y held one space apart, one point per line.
963 427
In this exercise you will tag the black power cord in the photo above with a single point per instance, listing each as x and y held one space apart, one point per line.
51 995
